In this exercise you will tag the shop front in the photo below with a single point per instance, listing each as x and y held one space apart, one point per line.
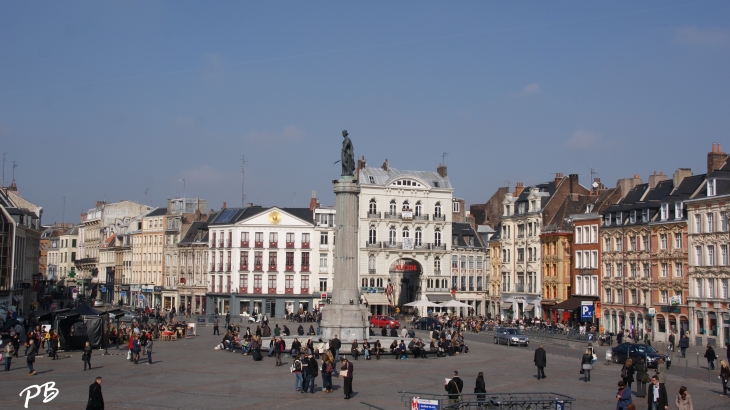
274 306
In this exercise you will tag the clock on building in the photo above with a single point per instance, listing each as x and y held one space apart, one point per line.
274 218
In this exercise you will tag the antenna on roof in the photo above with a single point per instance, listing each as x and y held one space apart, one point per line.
4 154
145 194
15 165
443 157
183 181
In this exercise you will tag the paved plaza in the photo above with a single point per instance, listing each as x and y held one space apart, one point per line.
190 374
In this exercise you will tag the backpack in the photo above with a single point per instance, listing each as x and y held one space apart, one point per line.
328 368
624 373
297 366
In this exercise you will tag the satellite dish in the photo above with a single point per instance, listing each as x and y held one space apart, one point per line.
595 184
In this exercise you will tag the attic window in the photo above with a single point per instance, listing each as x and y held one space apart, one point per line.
435 184
372 179
711 187
398 183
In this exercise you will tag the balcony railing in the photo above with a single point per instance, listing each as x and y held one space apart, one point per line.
273 244
272 268
258 267
305 245
323 246
372 244
372 271
86 261
420 217
220 267
229 244
305 268
391 215
290 245
375 215
439 247
228 267
437 272
212 244
439 217
289 291
322 269
520 287
289 268
258 244
244 244
220 243
243 267
272 291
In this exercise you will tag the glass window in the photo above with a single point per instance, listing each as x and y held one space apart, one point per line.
437 209
678 267
663 239
323 238
392 235
372 235
710 222
322 260
373 207
392 208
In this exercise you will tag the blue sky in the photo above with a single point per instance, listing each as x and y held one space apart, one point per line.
107 100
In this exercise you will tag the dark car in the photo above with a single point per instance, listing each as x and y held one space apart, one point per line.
428 323
510 336
635 350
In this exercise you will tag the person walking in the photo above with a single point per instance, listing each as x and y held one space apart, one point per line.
641 377
711 357
480 387
346 372
327 370
30 356
657 395
96 400
8 353
279 348
296 368
540 361
228 319
135 350
454 387
627 373
684 344
724 376
671 341
216 323
149 350
54 345
86 356
623 396
661 371
683 400
586 365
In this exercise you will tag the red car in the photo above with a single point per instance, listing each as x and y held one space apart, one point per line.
383 321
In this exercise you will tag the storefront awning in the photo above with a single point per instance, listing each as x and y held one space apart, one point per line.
506 306
376 299
529 307
439 298
572 303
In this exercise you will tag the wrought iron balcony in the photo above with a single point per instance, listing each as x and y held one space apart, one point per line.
439 218
244 244
375 215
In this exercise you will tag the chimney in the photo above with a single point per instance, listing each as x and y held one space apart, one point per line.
626 184
558 178
518 189
12 187
441 170
313 201
573 179
715 159
681 174
99 204
249 205
224 205
360 165
655 179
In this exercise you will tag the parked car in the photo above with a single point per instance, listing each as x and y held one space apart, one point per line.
428 323
384 321
129 316
635 350
510 336
98 303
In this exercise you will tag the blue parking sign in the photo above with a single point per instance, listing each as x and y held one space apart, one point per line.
586 312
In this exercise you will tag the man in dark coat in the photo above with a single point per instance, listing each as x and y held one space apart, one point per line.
540 362
657 395
454 387
335 345
96 400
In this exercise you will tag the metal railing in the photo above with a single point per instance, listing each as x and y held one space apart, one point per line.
539 400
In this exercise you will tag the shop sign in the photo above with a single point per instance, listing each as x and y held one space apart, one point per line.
148 288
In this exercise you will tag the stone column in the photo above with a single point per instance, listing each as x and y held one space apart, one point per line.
345 316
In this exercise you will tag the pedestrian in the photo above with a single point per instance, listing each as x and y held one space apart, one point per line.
228 319
661 371
312 374
305 372
346 372
296 368
623 396
657 395
683 400
671 341
710 356
641 377
335 345
54 345
540 361
30 357
8 353
277 330
216 323
627 373
327 370
724 376
15 341
586 365
684 344
149 350
96 400
454 387
480 387
135 350
86 356
354 350
279 348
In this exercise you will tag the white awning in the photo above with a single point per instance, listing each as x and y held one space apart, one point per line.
376 299
439 297
506 306
529 307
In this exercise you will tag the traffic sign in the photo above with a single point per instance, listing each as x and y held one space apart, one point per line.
103 289
73 290
586 312
122 293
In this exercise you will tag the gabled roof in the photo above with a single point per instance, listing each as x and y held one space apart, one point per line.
192 234
459 230
157 212
383 177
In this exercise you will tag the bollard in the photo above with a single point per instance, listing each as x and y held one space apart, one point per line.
698 360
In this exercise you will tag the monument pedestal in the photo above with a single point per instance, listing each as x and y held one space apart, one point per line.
345 316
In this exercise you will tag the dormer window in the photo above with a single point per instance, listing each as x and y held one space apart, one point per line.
607 219
645 215
664 212
372 179
521 208
711 187
619 218
589 208
533 206
678 210
632 217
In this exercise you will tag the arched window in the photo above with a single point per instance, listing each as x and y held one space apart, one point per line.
437 265
392 207
419 237
437 237
373 207
372 235
418 208
364 282
406 232
379 282
371 264
391 236
406 205
372 282
437 210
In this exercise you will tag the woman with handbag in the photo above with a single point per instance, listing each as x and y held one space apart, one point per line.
627 373
86 356
641 377
480 388
586 365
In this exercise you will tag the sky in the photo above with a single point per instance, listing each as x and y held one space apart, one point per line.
123 100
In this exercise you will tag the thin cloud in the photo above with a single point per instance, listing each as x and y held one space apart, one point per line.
710 37
530 89
289 134
583 139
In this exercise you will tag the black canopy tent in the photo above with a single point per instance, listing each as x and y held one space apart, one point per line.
48 317
80 325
